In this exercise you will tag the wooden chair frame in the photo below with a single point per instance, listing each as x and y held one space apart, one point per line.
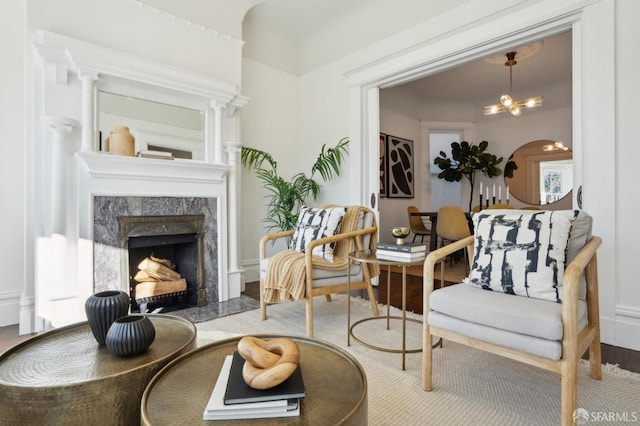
574 342
311 291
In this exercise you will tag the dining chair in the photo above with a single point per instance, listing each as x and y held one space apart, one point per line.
452 226
416 225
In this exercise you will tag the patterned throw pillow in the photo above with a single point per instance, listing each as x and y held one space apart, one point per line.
314 223
521 253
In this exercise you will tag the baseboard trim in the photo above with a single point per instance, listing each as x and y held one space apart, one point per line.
9 308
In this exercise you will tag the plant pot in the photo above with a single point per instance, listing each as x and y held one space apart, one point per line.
122 142
103 309
130 335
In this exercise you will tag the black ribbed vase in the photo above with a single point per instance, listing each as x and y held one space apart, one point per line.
130 335
103 309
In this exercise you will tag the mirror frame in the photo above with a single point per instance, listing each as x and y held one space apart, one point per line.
529 176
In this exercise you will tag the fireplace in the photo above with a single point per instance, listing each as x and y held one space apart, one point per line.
173 243
181 230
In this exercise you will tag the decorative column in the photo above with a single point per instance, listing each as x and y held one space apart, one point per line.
88 79
61 128
217 130
235 273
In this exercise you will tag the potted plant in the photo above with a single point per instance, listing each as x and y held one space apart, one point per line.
288 196
468 159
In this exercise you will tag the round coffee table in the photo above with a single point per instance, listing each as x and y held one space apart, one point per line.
335 382
64 377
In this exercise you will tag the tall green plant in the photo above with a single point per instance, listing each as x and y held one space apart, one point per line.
468 159
288 196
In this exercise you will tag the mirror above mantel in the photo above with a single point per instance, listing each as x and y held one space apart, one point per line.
545 172
156 126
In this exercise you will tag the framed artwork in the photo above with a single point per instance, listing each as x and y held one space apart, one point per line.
399 162
383 165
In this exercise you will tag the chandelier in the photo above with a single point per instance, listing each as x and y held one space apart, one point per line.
506 101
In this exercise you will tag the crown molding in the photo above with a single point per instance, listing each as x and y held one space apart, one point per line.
184 22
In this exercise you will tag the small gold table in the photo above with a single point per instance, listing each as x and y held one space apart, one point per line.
369 256
335 382
63 377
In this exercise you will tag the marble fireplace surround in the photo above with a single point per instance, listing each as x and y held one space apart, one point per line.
110 239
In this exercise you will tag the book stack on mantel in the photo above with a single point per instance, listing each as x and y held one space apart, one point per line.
233 399
160 155
406 251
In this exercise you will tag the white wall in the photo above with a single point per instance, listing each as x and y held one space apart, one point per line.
627 290
12 155
269 124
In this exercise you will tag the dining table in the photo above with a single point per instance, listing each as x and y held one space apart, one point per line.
433 217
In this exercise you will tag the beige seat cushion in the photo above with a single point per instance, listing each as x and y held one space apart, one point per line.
522 323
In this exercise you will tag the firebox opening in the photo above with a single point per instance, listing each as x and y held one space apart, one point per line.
181 250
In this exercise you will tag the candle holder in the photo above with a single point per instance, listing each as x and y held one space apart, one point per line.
507 201
480 201
499 201
487 203
494 200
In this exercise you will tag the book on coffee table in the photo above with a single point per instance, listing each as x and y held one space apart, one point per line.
238 392
216 409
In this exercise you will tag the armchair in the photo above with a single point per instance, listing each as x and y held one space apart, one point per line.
304 273
550 326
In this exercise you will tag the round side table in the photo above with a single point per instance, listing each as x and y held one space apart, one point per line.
369 256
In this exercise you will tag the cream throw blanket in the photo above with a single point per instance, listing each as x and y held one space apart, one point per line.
285 277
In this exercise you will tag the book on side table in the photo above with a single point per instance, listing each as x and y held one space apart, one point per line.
400 256
403 248
232 398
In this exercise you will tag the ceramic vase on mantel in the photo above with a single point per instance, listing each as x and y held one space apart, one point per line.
122 142
103 309
130 335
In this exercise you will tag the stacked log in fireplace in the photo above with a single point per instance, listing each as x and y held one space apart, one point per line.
157 277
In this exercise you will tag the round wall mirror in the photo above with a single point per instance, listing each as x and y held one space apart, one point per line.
544 174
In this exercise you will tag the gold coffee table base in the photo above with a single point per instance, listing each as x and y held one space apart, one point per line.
380 348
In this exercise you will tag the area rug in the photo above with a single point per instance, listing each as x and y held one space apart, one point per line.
470 386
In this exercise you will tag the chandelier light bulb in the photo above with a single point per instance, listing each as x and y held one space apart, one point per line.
506 100
514 110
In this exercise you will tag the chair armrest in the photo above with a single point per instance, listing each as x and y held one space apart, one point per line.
269 237
586 261
437 255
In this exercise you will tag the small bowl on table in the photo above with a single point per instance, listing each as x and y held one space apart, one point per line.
400 233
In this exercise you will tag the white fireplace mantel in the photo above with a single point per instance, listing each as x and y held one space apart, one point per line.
101 165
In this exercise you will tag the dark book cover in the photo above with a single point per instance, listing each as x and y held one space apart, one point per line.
403 248
238 392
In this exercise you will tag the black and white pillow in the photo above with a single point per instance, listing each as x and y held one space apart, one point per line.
314 223
521 253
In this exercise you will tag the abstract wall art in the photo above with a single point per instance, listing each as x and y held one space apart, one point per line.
399 161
